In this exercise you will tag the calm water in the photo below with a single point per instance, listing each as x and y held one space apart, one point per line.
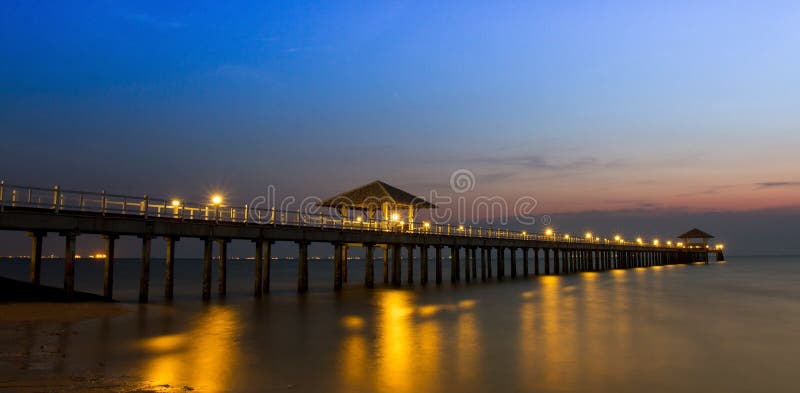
731 326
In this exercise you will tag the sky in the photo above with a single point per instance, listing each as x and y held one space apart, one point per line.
629 116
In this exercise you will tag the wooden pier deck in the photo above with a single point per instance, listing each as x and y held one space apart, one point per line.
40 211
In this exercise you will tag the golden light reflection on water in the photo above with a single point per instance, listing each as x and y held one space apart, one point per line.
467 347
202 358
551 354
394 350
410 342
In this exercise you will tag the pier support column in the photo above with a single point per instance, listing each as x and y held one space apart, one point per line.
483 264
535 261
337 266
108 268
474 258
513 251
222 283
369 269
524 262
423 264
454 263
386 264
410 265
169 267
259 268
36 257
467 265
396 261
557 261
501 263
302 266
144 274
267 266
489 251
69 265
344 262
207 257
438 263
546 261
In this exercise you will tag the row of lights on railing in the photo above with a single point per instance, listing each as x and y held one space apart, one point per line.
216 200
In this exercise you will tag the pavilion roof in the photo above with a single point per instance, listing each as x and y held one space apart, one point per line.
695 234
374 194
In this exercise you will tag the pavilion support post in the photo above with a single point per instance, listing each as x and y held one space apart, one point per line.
69 265
144 274
423 264
337 266
108 268
386 264
410 264
259 268
369 269
438 263
513 251
265 283
169 267
36 257
302 266
524 262
535 261
222 283
208 245
396 261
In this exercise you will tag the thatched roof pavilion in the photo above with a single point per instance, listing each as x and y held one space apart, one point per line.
378 195
696 234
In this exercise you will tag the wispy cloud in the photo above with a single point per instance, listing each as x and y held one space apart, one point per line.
543 163
707 191
151 20
778 184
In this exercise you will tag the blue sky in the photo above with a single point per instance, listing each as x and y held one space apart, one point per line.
587 106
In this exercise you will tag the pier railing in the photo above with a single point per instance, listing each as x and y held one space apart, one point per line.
59 200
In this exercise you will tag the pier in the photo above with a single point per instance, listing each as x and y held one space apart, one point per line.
365 217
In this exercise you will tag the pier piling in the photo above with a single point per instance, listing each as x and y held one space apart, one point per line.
108 268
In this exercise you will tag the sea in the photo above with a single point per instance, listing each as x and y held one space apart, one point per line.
731 326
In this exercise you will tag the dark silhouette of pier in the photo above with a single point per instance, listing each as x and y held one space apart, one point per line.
477 254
